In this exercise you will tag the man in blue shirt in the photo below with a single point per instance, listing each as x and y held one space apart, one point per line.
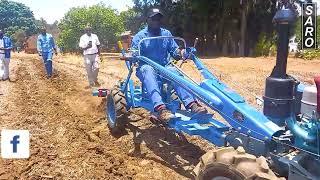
5 54
45 47
158 51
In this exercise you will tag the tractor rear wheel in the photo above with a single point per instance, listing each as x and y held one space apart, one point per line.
116 111
230 164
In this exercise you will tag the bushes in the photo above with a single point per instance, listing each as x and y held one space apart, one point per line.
309 54
273 50
265 46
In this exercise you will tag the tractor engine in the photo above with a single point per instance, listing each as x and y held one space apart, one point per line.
288 103
307 127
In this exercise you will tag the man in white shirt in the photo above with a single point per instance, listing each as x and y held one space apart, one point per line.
90 45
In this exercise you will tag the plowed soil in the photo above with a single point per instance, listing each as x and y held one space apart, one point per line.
69 134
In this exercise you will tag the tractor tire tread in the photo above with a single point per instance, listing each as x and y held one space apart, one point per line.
121 110
238 161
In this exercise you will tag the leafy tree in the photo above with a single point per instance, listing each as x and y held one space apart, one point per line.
131 19
16 17
19 38
104 21
227 27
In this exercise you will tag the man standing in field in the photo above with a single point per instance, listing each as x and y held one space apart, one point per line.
45 47
5 53
90 45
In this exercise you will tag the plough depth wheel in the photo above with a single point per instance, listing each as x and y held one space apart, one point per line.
116 112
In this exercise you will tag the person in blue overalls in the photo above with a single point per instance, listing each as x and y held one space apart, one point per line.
45 47
158 50
5 54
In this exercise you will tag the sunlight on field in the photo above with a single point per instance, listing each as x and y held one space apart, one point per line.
245 75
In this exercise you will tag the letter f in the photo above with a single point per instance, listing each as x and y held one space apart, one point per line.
15 142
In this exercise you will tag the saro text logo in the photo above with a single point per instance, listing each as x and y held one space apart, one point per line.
309 25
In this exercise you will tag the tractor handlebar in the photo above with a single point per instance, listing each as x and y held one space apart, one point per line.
195 42
160 37
190 51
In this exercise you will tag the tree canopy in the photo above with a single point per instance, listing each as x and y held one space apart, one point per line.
104 22
131 19
224 27
17 20
227 27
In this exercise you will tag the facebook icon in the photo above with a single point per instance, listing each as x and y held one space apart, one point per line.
15 144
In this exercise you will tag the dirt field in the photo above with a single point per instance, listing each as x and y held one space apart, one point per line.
69 136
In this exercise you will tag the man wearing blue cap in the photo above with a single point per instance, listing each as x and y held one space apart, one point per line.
158 51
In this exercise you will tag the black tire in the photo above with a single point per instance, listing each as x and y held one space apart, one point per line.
228 163
116 111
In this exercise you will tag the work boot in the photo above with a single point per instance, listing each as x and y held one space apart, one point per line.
97 84
197 108
164 114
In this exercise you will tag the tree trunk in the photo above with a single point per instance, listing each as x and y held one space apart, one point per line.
243 30
225 47
234 48
220 38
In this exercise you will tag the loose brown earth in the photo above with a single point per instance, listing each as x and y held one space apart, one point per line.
69 135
